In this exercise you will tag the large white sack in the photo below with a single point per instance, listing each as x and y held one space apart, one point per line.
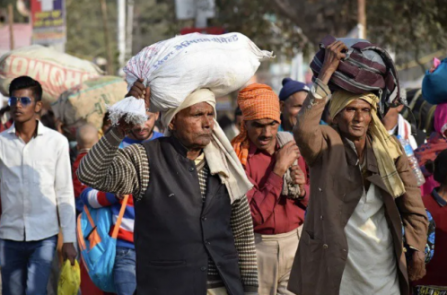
176 67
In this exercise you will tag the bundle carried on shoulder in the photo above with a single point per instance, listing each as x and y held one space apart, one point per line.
366 68
434 85
176 67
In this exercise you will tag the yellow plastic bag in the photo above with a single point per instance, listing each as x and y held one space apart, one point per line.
70 279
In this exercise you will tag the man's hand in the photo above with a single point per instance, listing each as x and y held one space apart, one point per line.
297 175
285 158
123 127
416 269
139 91
332 56
69 252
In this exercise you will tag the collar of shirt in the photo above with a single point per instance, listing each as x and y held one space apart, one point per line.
40 128
200 161
83 151
254 150
441 202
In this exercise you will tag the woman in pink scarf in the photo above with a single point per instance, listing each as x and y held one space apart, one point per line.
436 144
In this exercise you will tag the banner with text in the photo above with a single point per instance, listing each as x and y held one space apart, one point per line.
48 20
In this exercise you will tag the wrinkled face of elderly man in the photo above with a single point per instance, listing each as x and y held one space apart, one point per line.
193 126
353 121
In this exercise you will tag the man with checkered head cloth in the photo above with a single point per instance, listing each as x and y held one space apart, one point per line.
363 192
279 197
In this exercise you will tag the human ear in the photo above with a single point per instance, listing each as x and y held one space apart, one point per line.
335 120
171 125
281 106
38 107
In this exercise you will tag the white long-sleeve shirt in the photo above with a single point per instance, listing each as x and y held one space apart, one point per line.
36 186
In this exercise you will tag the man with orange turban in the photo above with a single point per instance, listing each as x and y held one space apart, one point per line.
278 199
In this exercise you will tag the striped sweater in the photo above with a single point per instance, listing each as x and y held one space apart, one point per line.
126 171
98 199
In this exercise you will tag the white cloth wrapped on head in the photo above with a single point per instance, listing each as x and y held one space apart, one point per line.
219 154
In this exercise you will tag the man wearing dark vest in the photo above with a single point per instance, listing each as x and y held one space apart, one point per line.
193 232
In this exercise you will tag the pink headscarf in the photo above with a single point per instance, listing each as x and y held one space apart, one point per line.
440 115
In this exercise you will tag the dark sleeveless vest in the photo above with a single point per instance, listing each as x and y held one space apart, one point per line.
175 232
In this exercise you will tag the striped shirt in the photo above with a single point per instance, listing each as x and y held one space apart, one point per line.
126 171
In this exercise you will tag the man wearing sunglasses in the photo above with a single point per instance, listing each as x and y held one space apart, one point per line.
36 192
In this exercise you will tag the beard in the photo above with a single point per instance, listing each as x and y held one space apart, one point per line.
135 135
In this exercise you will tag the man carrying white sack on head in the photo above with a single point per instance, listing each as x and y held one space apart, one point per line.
193 228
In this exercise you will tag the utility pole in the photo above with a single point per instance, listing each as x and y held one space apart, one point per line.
11 26
361 16
129 28
110 63
121 32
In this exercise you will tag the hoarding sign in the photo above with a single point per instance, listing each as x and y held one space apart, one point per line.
48 20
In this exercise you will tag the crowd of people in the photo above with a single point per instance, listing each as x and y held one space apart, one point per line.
309 192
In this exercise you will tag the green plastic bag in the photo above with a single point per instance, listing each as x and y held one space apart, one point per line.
70 279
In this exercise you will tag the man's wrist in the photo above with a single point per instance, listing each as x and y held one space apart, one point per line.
326 75
114 136
302 191
279 171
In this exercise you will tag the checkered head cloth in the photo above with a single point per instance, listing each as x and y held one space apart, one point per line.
256 101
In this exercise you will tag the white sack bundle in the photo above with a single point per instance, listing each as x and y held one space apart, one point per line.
176 67
132 109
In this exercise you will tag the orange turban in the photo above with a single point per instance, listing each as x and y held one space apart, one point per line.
256 101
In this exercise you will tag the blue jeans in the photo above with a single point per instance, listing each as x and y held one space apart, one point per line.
26 266
124 271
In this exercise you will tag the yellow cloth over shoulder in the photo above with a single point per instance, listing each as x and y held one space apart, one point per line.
386 149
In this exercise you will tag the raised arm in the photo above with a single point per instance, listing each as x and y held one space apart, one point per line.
119 171
308 133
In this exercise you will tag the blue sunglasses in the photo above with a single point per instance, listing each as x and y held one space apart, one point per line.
24 101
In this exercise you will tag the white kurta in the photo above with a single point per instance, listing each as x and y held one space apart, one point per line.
371 267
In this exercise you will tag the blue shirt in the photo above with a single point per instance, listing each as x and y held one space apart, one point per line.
128 141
